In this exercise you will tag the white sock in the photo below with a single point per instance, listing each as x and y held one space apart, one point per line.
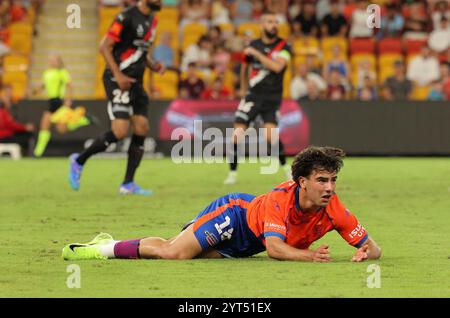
107 250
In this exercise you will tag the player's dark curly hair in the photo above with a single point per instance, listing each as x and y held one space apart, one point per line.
317 158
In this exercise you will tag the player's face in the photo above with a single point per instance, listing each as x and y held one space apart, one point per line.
270 25
319 186
154 5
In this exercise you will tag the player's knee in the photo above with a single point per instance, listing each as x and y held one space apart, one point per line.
120 133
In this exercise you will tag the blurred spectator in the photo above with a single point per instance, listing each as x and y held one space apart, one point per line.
128 3
358 24
18 11
163 52
337 63
220 12
398 87
416 20
323 7
307 20
392 23
110 3
215 36
335 91
299 84
200 54
424 68
313 91
12 131
217 91
439 39
296 31
221 59
445 78
295 7
365 72
5 17
241 11
258 8
194 11
192 87
367 90
334 23
280 8
435 93
441 10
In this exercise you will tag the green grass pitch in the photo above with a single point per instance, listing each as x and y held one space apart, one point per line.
403 203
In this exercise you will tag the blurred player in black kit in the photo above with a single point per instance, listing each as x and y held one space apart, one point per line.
126 49
262 72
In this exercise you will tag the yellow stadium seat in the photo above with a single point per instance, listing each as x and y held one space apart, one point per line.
287 82
21 42
328 43
21 28
18 81
108 13
386 65
31 16
301 59
166 84
389 59
306 46
194 28
254 28
284 31
192 33
227 28
16 63
168 14
356 59
14 77
420 93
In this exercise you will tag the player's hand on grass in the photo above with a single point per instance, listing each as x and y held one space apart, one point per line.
124 82
361 254
322 254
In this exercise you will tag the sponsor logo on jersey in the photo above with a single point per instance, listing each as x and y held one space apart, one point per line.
211 238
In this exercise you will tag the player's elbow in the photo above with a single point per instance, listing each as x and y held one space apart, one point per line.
272 250
375 252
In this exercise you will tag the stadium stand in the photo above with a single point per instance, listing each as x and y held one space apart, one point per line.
379 51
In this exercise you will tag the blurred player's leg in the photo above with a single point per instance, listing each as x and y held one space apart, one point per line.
119 130
140 127
274 141
238 134
44 134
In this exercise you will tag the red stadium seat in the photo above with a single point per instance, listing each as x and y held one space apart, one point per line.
366 46
413 47
390 46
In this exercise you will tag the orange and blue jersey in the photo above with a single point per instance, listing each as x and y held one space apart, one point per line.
278 213
223 226
237 225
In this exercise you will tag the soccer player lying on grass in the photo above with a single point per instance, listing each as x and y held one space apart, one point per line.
284 222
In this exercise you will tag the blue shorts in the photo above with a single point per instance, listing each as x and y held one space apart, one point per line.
223 227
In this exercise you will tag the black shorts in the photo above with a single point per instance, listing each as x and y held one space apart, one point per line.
54 104
123 105
251 106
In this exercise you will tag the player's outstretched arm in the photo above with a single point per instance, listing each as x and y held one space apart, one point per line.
370 250
278 249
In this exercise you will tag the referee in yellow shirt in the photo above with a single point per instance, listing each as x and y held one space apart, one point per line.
57 83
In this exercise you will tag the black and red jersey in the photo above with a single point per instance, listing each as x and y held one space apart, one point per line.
263 81
134 33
